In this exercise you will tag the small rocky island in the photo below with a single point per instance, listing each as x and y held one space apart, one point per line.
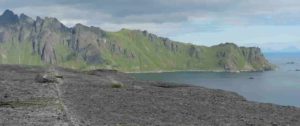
54 96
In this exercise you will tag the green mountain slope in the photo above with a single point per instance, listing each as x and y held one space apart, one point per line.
47 41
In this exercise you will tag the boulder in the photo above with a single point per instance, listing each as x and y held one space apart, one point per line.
47 78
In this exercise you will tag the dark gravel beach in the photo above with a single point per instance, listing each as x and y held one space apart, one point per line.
52 96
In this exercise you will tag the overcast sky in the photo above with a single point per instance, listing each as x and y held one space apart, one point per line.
273 25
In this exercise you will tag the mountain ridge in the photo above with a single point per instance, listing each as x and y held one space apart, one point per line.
40 41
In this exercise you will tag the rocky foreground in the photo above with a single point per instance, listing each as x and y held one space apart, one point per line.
35 96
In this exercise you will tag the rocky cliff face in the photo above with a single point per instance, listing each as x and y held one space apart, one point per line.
24 40
233 58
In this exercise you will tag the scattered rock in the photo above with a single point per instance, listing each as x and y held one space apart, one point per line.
48 78
101 99
42 78
6 96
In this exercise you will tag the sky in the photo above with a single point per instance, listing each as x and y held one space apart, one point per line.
273 25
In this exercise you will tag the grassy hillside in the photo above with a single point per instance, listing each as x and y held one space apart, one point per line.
47 41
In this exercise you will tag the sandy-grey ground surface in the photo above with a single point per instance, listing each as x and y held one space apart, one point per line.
35 96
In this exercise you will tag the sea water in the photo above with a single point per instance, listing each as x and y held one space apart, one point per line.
281 86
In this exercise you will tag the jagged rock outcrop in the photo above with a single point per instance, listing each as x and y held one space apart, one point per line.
8 18
24 40
232 58
255 57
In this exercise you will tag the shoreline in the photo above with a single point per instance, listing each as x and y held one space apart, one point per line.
214 71
141 72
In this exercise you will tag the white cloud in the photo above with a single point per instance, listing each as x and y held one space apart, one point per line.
72 22
163 29
278 46
199 21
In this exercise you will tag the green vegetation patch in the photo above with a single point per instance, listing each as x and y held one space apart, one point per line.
117 85
40 102
18 53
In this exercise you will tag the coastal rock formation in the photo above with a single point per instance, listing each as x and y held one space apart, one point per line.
40 41
108 97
